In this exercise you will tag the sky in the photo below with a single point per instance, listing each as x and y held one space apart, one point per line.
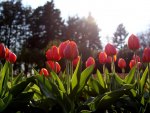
134 14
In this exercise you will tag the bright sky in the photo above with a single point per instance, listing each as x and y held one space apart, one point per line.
134 14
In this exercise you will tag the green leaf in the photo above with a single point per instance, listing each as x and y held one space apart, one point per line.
2 105
60 84
118 79
75 80
19 88
5 102
110 98
18 79
2 77
84 77
100 79
143 80
128 79
85 111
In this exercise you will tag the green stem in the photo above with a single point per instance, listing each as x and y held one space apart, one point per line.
149 77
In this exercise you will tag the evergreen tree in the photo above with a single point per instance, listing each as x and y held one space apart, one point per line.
46 25
119 36
14 29
85 32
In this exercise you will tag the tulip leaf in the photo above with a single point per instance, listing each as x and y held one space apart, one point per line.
84 77
5 102
100 79
85 111
128 79
75 80
2 105
108 99
60 84
3 77
118 79
143 80
18 88
18 79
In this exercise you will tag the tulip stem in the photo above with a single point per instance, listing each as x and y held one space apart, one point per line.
104 75
149 77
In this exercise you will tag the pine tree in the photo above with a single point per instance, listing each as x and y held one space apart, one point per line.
119 36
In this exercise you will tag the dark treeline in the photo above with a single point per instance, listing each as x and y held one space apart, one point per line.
30 32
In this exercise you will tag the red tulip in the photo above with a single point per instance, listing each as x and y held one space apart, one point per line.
62 46
110 50
133 42
71 51
44 72
2 51
121 63
11 57
136 58
54 66
139 65
109 59
7 53
75 61
132 64
146 55
90 61
102 57
53 54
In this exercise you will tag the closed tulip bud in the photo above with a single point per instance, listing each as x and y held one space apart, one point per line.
109 59
136 58
62 46
2 51
133 42
146 55
121 63
44 72
75 61
11 57
139 65
71 51
53 54
102 57
54 66
90 61
7 53
132 64
110 50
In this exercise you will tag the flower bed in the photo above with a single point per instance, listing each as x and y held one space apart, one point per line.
74 89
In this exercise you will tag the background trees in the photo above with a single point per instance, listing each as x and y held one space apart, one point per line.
85 32
119 36
14 29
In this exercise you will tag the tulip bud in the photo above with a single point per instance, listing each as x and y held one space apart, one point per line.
109 59
71 51
110 50
75 61
146 55
44 72
90 61
133 42
136 58
11 57
132 64
53 54
139 65
102 57
2 51
121 63
62 46
54 66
